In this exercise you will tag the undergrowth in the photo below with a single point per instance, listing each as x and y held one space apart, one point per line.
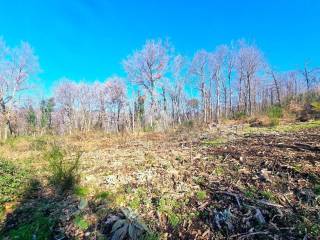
64 172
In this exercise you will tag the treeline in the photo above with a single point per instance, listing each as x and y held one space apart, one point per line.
162 89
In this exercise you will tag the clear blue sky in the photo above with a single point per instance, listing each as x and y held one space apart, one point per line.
87 39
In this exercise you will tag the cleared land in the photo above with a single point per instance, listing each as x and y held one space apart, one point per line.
227 182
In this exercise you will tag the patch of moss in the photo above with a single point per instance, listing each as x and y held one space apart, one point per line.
201 195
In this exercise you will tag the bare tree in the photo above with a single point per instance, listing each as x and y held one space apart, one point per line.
199 68
116 93
217 63
276 81
147 67
310 75
65 97
249 62
17 67
175 87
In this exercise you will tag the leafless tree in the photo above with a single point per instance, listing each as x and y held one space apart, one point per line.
147 67
116 93
17 66
199 68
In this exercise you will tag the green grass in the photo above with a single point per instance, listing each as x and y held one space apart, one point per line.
103 195
215 142
39 228
170 207
12 181
201 195
268 195
282 128
64 173
81 191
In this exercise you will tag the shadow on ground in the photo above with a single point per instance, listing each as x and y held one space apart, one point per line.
37 215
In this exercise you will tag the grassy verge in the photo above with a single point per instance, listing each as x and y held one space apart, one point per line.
295 127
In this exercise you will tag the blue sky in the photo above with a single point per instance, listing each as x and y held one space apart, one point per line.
88 39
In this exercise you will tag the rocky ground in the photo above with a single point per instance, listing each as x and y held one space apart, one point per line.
221 183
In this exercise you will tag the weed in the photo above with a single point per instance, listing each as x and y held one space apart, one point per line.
174 219
201 195
135 202
216 142
38 144
81 191
12 181
240 115
81 223
188 124
317 189
167 206
38 228
2 212
268 195
151 236
103 195
250 192
64 173
275 112
219 171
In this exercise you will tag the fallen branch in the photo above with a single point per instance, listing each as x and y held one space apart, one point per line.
246 235
236 196
297 146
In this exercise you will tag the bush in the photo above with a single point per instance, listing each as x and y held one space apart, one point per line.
12 181
239 115
275 112
188 124
316 106
149 128
64 172
38 144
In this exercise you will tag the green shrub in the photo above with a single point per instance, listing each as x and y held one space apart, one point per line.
81 191
64 172
316 106
149 128
188 124
239 115
12 181
275 112
81 223
38 144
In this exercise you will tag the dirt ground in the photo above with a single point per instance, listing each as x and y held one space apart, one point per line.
221 183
